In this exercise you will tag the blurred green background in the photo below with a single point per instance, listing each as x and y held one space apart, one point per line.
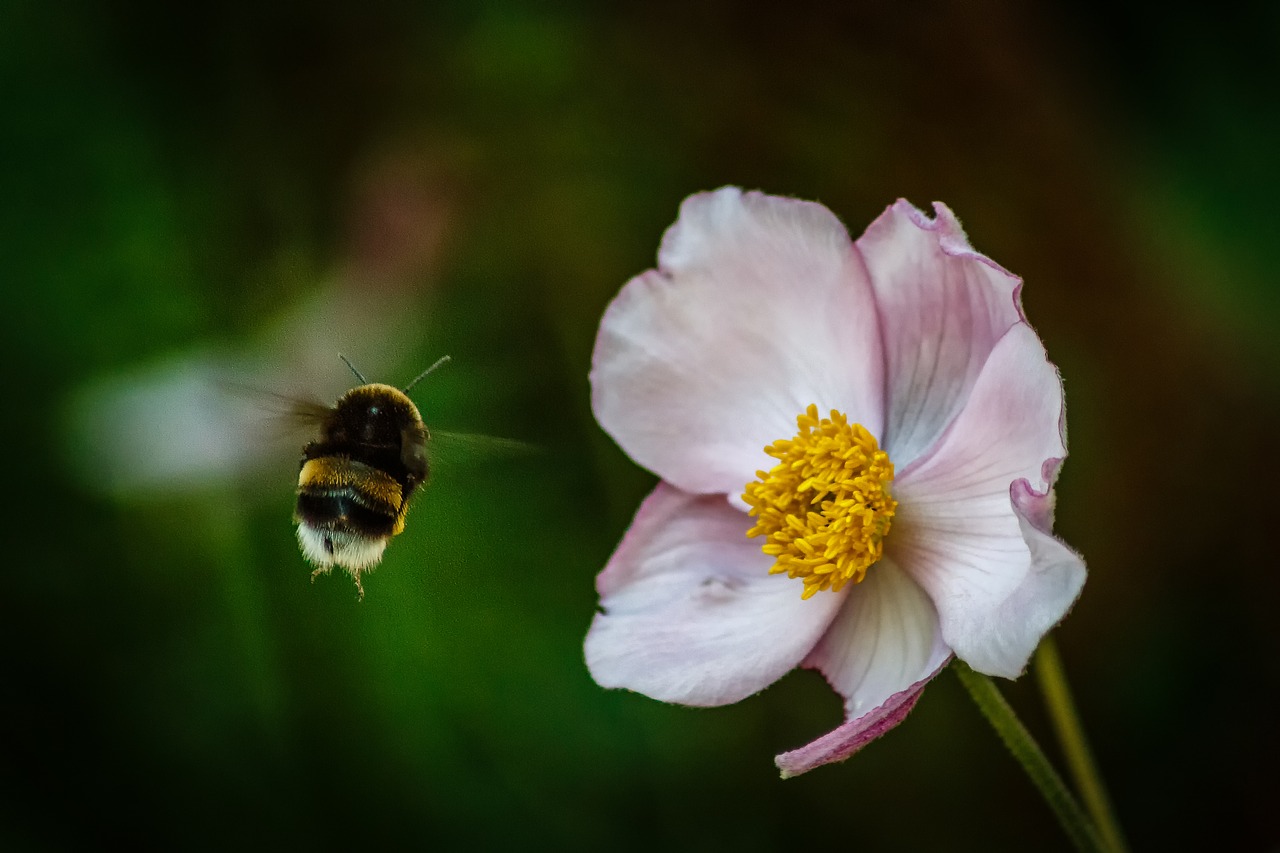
478 179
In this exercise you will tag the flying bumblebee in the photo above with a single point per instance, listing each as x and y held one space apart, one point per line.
356 478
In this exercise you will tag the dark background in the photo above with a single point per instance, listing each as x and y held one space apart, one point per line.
490 174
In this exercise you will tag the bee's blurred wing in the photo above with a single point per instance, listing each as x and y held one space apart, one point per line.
462 447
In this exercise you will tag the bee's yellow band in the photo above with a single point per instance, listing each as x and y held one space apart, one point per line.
339 472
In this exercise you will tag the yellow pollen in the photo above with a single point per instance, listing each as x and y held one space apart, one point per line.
825 508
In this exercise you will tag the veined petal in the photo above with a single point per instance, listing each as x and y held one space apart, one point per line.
690 613
974 514
885 638
880 651
760 307
942 308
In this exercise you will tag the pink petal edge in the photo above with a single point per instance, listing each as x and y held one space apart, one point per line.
851 737
1037 507
953 241
942 307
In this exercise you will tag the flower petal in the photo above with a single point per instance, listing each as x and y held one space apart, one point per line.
880 651
689 611
942 307
760 306
885 638
843 742
974 515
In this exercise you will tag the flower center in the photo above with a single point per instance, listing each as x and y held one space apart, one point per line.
825 507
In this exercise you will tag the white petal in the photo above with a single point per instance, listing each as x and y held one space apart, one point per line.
690 612
942 306
966 528
885 639
760 306
879 653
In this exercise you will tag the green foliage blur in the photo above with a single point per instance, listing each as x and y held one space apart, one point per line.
174 175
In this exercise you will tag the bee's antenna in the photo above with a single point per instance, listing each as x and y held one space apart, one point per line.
348 363
441 360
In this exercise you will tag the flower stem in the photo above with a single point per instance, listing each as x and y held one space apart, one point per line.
1066 723
1028 753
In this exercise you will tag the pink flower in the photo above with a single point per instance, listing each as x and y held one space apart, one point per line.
914 428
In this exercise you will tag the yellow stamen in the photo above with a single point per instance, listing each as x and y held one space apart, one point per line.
825 508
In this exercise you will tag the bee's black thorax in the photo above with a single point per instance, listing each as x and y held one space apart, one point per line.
370 457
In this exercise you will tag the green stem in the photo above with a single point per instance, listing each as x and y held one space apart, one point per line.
1066 723
1028 754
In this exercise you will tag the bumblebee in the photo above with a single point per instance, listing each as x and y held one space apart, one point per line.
357 477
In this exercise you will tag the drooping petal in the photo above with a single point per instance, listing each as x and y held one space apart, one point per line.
942 307
844 741
690 613
974 514
759 307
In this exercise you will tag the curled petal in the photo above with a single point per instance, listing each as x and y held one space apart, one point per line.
974 515
853 735
759 307
690 613
942 307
